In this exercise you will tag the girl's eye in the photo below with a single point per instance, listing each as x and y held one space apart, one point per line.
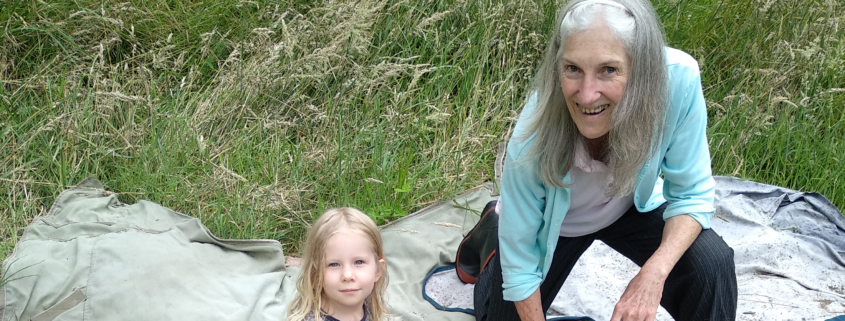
333 265
359 262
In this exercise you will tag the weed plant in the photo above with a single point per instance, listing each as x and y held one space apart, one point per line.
255 116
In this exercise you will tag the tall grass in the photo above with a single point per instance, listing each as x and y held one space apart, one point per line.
255 116
773 79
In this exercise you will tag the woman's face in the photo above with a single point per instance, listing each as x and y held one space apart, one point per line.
595 69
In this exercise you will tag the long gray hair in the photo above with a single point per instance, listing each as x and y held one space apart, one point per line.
637 120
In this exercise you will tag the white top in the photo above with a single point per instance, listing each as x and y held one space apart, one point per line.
591 210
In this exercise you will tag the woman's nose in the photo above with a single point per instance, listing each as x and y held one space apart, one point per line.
589 91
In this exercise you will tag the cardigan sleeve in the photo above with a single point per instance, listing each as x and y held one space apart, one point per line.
688 185
522 201
519 227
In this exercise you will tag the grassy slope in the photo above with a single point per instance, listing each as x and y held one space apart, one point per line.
255 116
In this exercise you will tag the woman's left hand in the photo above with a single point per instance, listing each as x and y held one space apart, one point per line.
640 300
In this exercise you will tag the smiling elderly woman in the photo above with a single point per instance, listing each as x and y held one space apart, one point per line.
611 109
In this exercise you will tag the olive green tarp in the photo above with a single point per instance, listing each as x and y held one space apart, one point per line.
92 257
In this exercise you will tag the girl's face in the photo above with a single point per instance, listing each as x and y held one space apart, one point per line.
351 270
595 72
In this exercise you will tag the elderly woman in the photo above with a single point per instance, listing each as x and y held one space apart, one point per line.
611 109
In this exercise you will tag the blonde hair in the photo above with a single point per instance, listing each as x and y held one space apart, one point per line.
637 121
310 284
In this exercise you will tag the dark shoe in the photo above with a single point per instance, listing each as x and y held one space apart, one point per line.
479 246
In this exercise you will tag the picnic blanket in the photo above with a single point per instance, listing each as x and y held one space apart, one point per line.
91 257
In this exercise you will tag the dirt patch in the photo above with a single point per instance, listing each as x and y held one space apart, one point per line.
824 303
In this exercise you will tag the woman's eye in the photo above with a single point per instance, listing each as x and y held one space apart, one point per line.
570 68
610 70
359 262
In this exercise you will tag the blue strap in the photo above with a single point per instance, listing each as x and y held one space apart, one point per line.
471 311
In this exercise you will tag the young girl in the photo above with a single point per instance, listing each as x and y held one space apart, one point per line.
344 276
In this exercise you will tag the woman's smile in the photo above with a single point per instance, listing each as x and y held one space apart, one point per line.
594 111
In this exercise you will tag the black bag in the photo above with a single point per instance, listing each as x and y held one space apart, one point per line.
478 246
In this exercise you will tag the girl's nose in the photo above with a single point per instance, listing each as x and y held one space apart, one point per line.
348 275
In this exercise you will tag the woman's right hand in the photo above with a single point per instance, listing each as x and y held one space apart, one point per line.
531 309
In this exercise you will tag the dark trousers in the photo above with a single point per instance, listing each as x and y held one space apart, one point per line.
702 285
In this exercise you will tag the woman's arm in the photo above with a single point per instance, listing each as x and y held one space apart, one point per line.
519 229
688 184
521 220
688 188
531 309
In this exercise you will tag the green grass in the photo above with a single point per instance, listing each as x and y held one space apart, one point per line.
256 116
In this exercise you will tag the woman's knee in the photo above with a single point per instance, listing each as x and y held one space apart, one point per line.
711 258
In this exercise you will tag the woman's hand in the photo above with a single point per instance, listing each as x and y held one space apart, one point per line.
642 296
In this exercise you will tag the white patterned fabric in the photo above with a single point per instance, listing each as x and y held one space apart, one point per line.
789 248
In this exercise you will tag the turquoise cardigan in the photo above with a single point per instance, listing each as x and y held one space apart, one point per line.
532 212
